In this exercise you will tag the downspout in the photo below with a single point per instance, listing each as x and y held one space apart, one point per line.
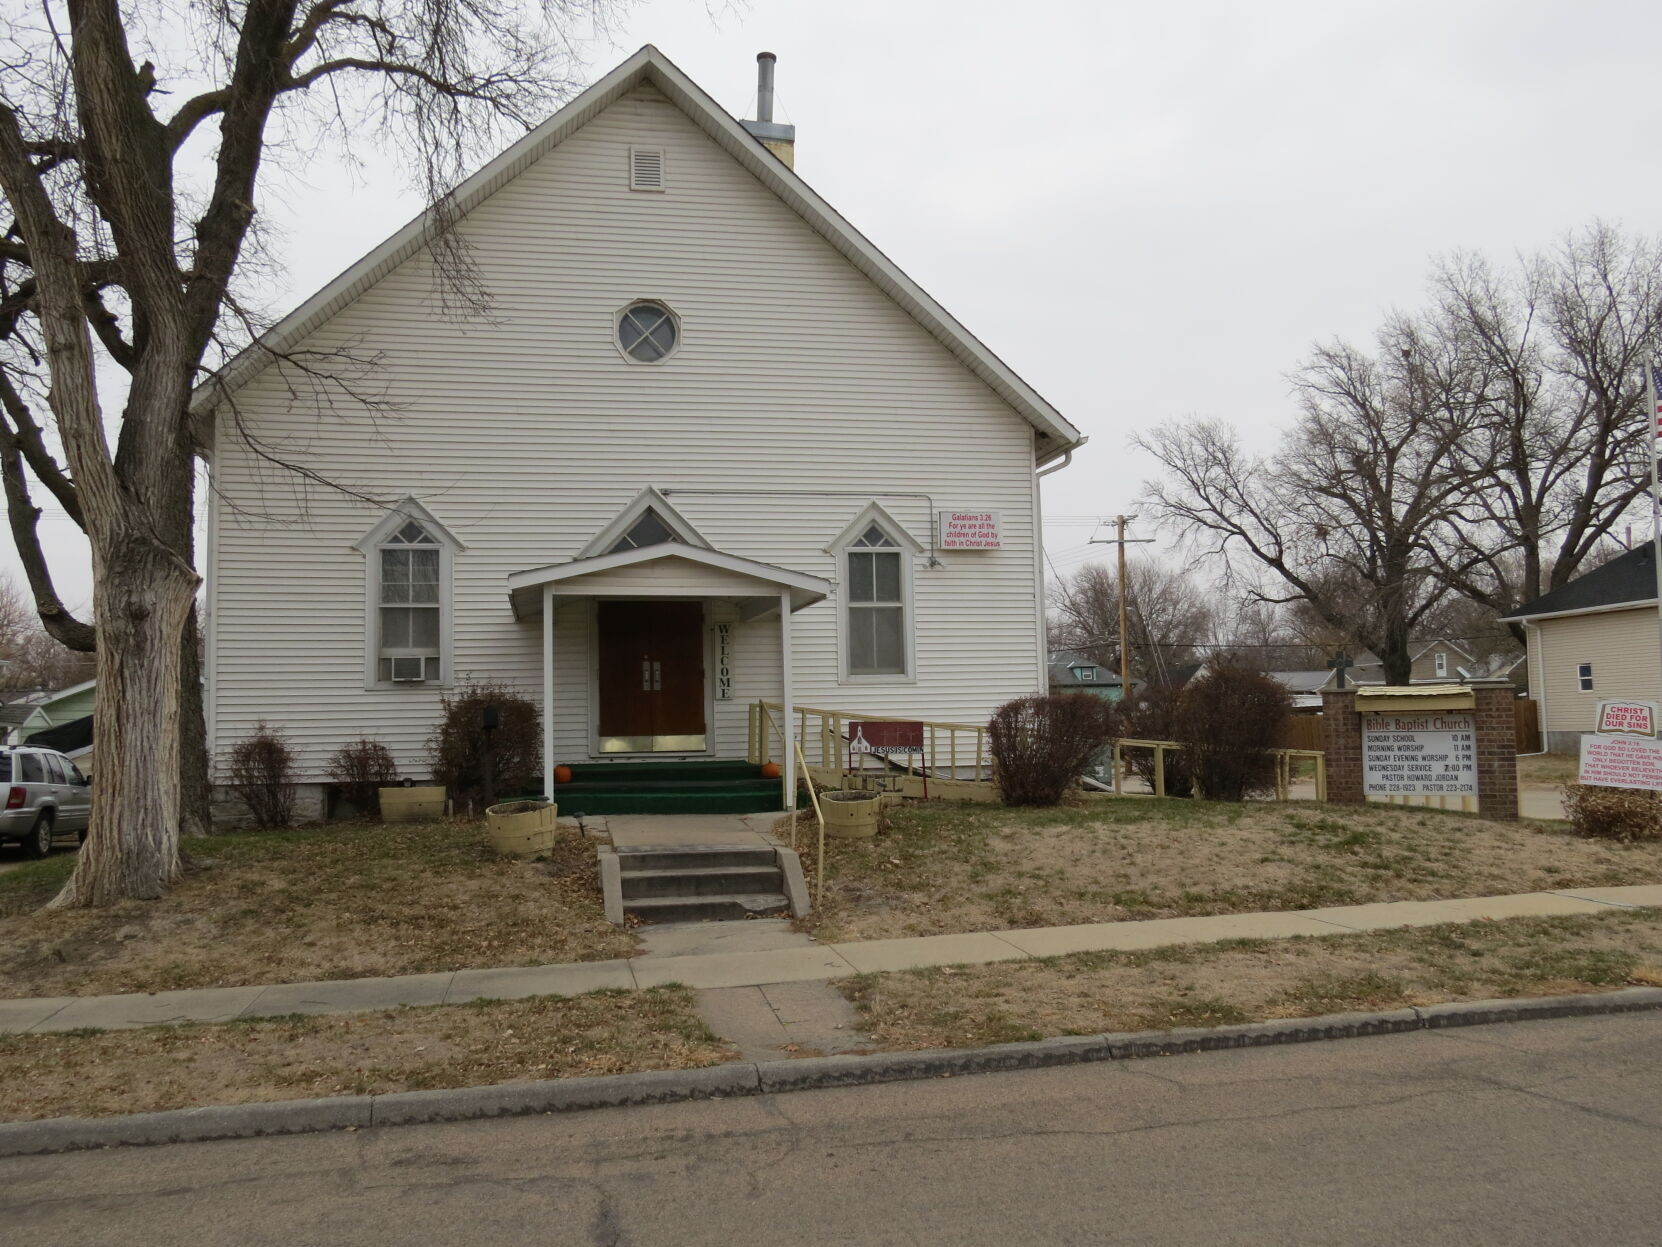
1042 686
1534 629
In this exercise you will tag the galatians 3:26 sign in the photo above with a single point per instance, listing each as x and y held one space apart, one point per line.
969 530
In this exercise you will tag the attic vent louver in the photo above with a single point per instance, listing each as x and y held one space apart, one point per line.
646 169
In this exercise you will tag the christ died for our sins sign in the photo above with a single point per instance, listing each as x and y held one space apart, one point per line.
1412 755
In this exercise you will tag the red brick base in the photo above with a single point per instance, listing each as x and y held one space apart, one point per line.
1497 756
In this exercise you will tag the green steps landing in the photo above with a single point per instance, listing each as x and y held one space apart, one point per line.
668 788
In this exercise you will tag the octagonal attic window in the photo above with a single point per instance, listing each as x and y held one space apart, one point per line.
647 332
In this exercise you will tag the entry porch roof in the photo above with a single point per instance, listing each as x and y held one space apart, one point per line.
669 569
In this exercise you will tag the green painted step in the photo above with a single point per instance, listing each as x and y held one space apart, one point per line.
584 772
717 787
669 803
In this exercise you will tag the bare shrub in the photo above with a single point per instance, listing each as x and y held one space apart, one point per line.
360 770
1228 721
1042 745
1624 814
461 751
1152 715
262 773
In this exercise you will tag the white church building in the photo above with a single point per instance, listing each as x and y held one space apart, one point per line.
707 446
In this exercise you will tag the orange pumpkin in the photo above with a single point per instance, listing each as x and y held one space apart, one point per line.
770 770
562 775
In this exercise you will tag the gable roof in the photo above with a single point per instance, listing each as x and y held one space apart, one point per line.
650 65
1627 580
1435 643
523 596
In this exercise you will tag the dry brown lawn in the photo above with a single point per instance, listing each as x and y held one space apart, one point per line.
1548 769
340 901
1252 980
84 1074
945 867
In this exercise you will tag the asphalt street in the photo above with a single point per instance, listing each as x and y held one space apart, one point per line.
1547 1132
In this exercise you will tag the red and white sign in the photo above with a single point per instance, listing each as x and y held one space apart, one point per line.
1627 718
969 530
885 736
1621 762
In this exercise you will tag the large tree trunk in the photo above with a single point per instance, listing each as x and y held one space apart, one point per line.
143 601
195 795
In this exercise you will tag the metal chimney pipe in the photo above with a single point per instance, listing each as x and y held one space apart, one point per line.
764 85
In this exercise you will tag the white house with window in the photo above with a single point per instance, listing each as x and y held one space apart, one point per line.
1592 639
705 446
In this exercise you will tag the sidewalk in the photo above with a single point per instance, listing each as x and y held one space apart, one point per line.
817 962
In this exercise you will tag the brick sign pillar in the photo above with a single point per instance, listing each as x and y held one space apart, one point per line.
1497 748
1342 741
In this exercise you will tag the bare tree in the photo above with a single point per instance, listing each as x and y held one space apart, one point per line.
1170 615
1560 452
33 660
129 189
1347 512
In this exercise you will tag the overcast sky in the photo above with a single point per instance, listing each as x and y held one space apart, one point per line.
1148 210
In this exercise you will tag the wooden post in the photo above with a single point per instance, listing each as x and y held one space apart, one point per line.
1159 770
1119 784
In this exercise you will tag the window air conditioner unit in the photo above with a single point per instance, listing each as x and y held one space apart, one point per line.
408 670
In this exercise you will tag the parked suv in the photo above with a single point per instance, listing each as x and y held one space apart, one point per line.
46 797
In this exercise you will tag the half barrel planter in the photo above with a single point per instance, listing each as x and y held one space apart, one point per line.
522 828
850 815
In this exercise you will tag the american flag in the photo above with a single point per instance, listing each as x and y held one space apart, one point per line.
1655 376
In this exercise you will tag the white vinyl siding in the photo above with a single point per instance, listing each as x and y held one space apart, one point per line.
527 432
1620 648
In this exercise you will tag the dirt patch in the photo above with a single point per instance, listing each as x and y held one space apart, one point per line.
945 867
85 1074
1252 980
342 901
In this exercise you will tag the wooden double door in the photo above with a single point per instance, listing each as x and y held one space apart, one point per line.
652 694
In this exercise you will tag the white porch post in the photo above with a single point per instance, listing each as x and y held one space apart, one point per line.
787 711
548 692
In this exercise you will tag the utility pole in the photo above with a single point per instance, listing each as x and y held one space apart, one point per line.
1120 540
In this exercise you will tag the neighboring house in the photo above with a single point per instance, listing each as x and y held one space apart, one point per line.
73 738
47 710
1437 660
1072 673
1592 639
703 449
12 717
1304 687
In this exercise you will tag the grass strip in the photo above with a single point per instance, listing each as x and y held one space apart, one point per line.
97 1073
1257 980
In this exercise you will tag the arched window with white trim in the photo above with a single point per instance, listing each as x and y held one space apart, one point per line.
875 557
409 559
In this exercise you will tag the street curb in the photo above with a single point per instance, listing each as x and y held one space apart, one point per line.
742 1078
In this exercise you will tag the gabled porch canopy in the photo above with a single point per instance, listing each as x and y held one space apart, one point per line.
669 569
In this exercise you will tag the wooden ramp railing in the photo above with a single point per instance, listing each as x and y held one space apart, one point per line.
955 761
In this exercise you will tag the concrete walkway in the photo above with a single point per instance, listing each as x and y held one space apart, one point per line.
733 964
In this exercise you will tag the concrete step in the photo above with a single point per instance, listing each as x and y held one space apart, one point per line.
706 908
631 861
708 881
